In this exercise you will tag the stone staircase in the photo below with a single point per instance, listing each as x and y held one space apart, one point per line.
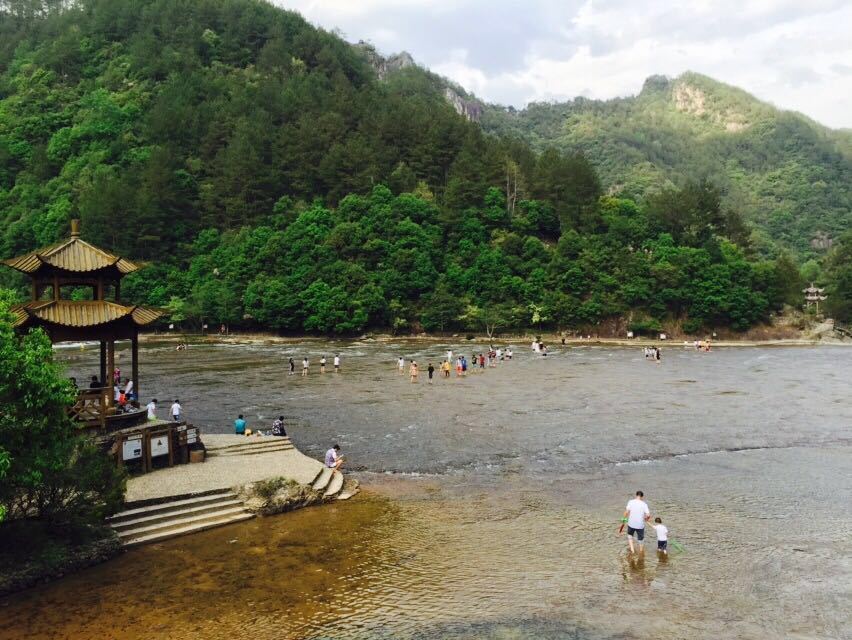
177 517
249 445
329 482
182 514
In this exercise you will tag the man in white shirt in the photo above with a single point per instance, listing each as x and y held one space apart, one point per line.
636 514
175 412
337 363
152 409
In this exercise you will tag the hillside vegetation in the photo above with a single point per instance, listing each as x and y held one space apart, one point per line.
273 181
788 176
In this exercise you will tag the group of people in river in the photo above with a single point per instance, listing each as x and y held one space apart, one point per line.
461 364
306 365
653 353
540 348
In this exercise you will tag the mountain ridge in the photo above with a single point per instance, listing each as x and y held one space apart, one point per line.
273 181
788 174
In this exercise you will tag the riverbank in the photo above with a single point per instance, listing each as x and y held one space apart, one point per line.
264 475
549 339
33 555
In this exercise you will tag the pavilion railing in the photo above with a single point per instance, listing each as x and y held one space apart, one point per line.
92 406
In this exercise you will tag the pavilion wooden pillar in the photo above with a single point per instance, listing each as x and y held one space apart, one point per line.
134 356
103 363
110 382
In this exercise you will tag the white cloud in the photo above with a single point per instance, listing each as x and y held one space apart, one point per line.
794 54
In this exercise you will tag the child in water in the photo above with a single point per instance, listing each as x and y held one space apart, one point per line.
662 536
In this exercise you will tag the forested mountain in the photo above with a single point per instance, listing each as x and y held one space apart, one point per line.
274 180
787 175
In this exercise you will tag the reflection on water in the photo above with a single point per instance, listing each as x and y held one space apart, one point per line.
499 518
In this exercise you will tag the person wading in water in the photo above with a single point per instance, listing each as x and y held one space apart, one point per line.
636 514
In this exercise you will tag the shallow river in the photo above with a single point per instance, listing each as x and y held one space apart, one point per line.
491 503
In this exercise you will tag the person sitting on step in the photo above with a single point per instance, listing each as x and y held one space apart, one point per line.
333 459
278 427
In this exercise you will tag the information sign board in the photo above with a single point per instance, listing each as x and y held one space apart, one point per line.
131 449
159 445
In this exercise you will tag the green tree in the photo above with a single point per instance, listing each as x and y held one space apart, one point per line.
839 279
49 472
491 318
441 309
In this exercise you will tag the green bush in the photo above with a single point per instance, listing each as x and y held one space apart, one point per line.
692 325
650 326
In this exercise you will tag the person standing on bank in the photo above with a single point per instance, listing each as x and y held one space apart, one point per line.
636 514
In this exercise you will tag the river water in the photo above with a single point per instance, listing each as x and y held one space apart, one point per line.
491 503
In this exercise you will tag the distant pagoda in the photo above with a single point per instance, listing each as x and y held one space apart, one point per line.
76 263
814 295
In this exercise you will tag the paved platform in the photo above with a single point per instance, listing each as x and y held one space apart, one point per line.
223 472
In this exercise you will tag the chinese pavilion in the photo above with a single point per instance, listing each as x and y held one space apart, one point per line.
76 263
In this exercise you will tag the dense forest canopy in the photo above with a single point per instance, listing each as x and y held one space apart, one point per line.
273 181
788 176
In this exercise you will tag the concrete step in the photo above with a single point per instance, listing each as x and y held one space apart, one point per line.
251 451
175 524
185 512
222 495
190 528
334 485
322 479
350 488
249 441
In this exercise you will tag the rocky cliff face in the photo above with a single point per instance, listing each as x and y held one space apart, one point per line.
470 109
694 101
384 66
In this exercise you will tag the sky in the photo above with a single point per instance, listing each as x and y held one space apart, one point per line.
796 54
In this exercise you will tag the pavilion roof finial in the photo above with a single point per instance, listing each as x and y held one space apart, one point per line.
75 228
